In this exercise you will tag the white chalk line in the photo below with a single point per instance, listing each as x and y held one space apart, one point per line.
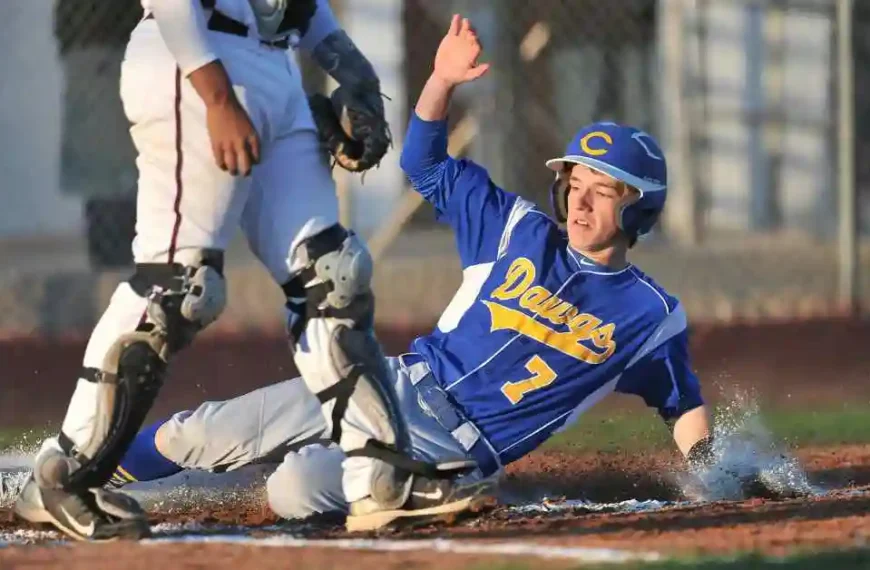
441 545
235 535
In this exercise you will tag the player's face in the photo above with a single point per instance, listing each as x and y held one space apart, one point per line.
594 201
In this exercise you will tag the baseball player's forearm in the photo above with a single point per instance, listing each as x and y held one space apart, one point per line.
424 159
425 146
692 427
322 24
426 140
183 28
344 62
212 83
434 100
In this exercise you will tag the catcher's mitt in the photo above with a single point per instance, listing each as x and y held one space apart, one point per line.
352 127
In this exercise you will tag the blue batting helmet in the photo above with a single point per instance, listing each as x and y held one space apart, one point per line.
628 155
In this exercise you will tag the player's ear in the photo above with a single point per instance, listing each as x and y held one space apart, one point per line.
629 194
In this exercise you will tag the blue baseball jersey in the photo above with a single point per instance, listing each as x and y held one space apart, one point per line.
538 333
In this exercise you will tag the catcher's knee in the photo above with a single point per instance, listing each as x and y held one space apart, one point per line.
332 275
182 299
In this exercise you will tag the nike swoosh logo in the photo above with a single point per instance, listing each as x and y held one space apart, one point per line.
81 529
584 262
432 496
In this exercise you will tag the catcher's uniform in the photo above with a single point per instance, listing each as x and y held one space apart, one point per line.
186 204
185 201
188 209
535 336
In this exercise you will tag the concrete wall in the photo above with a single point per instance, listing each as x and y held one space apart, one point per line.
753 64
30 103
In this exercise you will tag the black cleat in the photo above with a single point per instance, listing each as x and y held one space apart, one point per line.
92 515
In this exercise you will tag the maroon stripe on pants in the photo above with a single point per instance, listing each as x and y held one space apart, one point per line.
179 161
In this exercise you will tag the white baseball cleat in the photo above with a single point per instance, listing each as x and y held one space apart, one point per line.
431 500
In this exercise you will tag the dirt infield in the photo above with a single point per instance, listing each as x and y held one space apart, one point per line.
833 520
794 365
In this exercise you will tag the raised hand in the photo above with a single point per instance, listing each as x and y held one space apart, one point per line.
457 55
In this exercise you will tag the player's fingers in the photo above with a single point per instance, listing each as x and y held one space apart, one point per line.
476 72
244 158
454 25
230 160
218 154
254 145
463 30
476 50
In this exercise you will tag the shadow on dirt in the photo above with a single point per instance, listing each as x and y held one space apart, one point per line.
842 477
598 487
615 486
502 523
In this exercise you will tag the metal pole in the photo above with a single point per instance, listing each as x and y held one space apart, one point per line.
679 219
756 154
848 246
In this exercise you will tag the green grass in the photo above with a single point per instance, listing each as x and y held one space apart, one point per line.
16 438
839 560
638 430
635 431
846 559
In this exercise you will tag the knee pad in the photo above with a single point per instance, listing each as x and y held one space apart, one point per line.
331 271
182 300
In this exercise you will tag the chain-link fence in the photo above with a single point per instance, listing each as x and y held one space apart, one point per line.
744 96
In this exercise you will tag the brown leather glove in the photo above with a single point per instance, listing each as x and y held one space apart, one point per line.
352 127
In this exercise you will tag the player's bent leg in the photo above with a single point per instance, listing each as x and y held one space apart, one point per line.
259 426
143 460
335 349
256 427
112 399
308 483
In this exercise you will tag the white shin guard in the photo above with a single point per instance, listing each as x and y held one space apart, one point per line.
340 359
181 301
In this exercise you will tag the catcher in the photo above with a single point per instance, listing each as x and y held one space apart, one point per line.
550 319
225 137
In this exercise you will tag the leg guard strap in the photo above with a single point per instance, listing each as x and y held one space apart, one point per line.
341 393
171 276
387 454
182 300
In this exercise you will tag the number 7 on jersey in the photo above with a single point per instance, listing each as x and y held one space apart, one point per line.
542 376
